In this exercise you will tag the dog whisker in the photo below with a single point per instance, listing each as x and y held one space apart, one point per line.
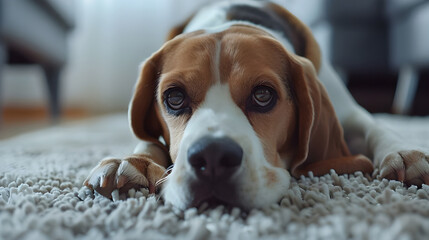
170 168
164 176
160 181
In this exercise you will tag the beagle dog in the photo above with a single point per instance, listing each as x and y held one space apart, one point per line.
238 100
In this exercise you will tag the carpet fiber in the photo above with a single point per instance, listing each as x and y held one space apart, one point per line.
41 196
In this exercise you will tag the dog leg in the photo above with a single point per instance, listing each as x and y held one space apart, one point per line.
396 159
143 169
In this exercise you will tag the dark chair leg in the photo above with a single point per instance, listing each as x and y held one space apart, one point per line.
2 62
406 89
53 84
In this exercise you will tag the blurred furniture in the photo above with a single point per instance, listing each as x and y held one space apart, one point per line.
409 47
359 35
377 38
35 32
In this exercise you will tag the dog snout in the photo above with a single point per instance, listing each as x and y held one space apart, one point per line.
214 158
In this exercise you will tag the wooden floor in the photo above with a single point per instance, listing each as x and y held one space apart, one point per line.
17 120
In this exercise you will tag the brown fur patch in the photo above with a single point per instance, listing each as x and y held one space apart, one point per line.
140 162
270 176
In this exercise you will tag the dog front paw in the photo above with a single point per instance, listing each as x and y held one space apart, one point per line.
408 166
123 174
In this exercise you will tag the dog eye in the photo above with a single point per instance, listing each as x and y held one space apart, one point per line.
262 99
262 96
175 99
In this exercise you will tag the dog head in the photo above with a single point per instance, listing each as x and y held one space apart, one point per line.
236 111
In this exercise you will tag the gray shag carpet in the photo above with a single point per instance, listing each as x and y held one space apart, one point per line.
41 196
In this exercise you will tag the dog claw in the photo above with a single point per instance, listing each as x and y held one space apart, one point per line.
86 183
122 180
103 181
401 175
151 188
426 179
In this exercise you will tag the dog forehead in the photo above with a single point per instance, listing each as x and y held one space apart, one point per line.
241 42
188 51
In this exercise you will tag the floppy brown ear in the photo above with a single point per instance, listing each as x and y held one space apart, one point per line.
320 142
143 113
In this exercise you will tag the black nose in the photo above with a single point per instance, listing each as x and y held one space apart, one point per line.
215 158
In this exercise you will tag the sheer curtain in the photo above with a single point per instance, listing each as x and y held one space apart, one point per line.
110 41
